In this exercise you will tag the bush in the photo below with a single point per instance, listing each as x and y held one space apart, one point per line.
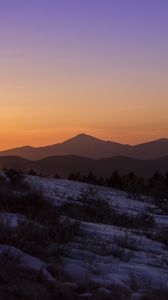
162 236
30 203
37 240
15 178
93 208
144 221
126 241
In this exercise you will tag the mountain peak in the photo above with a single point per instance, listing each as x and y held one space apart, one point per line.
82 137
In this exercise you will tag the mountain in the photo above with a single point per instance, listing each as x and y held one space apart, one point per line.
64 165
88 146
153 149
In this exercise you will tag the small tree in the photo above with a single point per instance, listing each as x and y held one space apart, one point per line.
32 172
57 176
115 180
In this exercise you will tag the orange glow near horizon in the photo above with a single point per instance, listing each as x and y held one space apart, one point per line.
61 76
43 137
40 113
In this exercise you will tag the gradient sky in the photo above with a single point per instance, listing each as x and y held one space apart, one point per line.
73 66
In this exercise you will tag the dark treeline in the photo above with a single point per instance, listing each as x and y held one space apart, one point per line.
155 186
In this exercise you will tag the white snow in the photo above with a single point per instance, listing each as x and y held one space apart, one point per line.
91 256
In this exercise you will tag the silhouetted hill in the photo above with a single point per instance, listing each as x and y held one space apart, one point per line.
64 165
88 146
153 149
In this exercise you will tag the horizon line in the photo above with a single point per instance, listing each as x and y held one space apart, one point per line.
86 135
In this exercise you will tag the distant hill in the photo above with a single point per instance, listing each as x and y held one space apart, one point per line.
88 146
64 165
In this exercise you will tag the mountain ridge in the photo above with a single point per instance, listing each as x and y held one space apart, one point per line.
88 146
64 165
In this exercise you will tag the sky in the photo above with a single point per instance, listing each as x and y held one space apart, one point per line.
98 67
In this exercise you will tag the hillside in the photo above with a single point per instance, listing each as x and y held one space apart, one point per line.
64 165
67 240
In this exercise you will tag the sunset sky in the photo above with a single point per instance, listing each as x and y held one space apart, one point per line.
83 66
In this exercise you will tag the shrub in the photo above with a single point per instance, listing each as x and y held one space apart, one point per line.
30 203
89 207
126 241
15 178
162 236
95 209
37 240
120 253
144 220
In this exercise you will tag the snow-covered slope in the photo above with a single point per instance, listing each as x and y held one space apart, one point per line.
61 191
108 255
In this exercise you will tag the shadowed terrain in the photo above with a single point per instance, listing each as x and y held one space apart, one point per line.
64 165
